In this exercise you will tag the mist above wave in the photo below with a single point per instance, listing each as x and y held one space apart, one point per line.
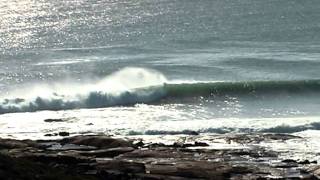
127 86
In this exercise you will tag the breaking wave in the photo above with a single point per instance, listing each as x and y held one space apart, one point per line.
125 87
137 85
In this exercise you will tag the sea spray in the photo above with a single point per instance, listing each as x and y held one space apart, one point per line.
124 87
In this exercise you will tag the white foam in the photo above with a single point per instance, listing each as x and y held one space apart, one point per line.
64 62
118 88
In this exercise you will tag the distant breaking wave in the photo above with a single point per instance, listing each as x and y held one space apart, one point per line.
225 130
130 86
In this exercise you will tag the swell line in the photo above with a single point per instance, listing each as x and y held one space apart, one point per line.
250 87
154 94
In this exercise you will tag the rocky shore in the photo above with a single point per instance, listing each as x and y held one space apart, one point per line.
103 157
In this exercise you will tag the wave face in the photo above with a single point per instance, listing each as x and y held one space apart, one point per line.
125 87
242 88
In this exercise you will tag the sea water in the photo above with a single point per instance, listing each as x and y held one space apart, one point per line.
159 67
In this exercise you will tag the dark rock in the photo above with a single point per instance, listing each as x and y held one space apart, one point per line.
278 136
53 120
103 157
185 145
113 175
307 162
289 161
55 158
161 177
180 145
59 147
64 134
255 153
159 132
257 138
112 152
286 165
191 169
154 145
11 143
53 134
22 169
156 153
122 166
103 142
203 144
194 133
139 144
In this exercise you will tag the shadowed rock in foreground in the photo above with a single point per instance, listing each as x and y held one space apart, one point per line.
103 157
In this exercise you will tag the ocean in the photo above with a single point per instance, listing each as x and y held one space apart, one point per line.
159 67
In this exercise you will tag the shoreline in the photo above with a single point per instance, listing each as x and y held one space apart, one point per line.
106 157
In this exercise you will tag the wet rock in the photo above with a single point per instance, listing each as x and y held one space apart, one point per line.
278 136
153 153
202 144
307 162
112 152
255 153
53 120
22 169
257 138
103 142
103 157
180 145
194 133
139 144
53 134
121 166
65 147
185 145
191 169
10 143
154 145
315 171
64 134
289 161
158 132
161 177
55 158
285 165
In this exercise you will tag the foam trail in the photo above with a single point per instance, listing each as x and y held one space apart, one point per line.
127 86
225 130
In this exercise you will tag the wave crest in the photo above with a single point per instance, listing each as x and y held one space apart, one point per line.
125 87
